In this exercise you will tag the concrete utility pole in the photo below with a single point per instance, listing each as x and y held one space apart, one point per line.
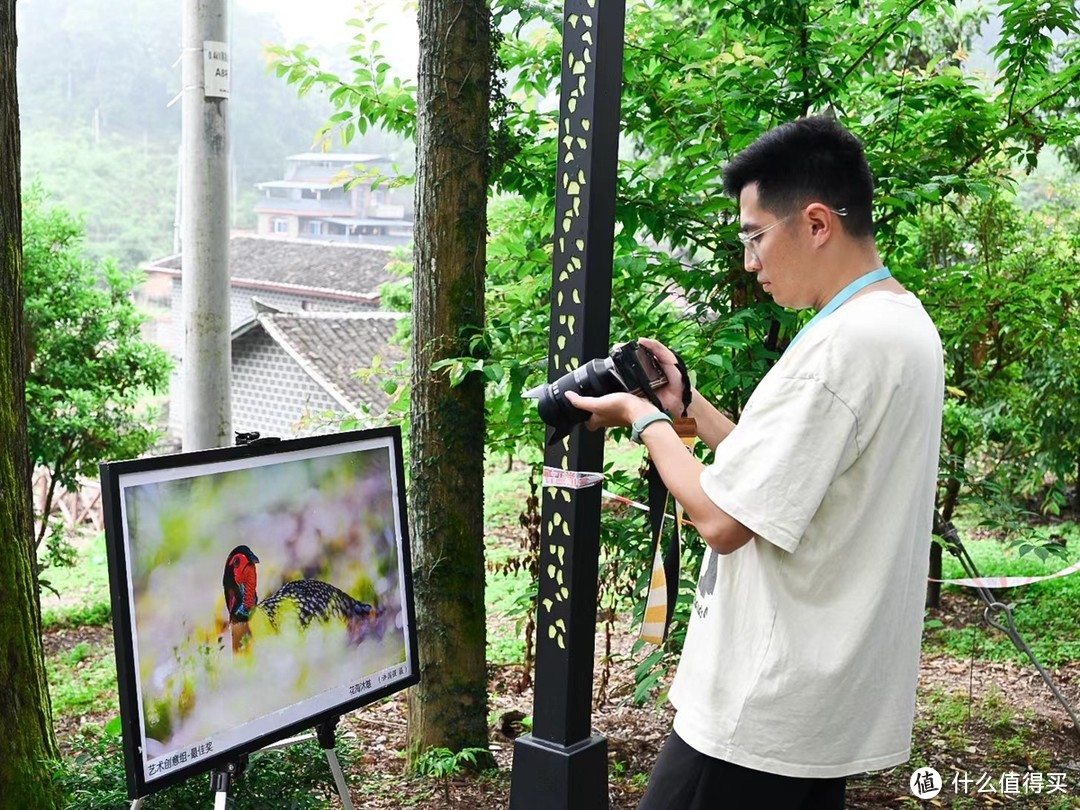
204 231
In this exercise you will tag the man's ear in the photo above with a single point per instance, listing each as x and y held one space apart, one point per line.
819 219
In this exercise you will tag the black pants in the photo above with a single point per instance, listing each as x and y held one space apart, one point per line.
684 779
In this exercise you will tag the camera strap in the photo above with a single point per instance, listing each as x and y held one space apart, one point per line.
664 581
641 379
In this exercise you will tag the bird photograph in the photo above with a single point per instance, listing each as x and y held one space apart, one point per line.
301 600
262 595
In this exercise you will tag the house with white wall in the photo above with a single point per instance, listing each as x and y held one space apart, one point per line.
311 201
304 317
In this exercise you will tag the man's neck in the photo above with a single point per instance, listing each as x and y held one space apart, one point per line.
846 269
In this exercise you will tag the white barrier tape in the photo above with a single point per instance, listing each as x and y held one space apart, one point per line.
611 496
570 479
977 582
1007 582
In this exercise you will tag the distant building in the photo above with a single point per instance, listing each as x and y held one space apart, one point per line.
291 368
310 202
304 318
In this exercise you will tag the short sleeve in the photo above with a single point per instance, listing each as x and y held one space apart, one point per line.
772 471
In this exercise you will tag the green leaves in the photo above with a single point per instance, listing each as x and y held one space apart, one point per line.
942 140
372 97
1001 288
442 763
90 369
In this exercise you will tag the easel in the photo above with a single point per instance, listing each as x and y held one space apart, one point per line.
221 778
324 733
995 608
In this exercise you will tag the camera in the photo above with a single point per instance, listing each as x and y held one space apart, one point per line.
630 367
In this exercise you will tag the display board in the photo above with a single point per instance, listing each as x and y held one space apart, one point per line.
257 591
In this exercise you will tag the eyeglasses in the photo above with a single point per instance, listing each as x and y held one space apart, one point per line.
750 240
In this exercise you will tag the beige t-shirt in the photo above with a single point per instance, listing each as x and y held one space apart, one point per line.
802 653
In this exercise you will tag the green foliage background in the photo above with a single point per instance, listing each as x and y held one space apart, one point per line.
946 144
90 369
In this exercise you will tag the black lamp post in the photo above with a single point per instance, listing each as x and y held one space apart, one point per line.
562 765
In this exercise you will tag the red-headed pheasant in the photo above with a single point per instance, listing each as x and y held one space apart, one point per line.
306 599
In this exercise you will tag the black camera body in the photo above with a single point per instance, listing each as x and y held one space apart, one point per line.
630 367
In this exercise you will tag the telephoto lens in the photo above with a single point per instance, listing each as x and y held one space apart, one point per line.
630 367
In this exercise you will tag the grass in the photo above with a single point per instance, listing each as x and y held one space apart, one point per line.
1046 613
83 679
508 593
505 492
506 487
97 614
293 778
986 737
505 648
82 591
951 716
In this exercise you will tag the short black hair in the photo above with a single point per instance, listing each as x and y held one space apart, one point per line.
808 160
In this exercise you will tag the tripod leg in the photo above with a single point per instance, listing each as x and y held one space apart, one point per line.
339 779
326 735
222 778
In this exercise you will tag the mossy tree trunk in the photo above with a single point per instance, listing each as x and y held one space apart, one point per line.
27 737
449 707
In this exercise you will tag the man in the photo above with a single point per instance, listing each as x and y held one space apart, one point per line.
802 654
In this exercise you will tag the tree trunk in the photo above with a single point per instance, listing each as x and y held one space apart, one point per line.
25 712
948 506
449 707
933 589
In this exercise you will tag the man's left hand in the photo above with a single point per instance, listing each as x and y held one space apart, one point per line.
611 410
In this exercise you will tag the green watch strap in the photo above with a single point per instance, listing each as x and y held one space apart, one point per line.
645 421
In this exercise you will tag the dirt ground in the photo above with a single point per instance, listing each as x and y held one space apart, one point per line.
635 734
1025 730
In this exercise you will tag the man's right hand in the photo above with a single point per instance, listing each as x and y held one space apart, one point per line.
712 425
670 395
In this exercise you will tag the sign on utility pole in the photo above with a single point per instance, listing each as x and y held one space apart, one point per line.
204 231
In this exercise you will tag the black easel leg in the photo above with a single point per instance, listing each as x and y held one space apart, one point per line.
222 778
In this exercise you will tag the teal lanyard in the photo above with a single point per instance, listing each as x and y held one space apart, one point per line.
841 298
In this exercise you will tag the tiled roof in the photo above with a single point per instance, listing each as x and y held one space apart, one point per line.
299 263
333 346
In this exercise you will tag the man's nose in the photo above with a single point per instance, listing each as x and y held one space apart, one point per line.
751 263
